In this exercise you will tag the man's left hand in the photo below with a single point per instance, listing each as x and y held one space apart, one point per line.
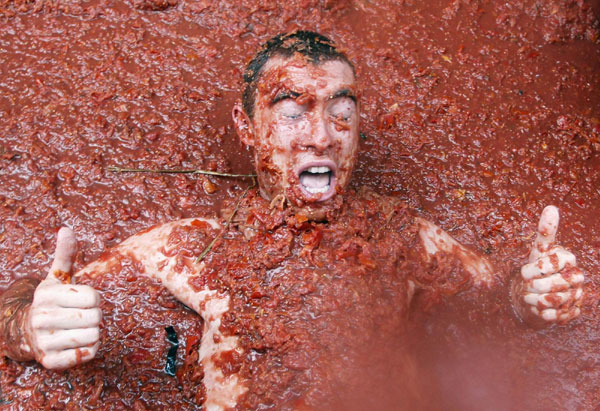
549 289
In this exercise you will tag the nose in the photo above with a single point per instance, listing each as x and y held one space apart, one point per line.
319 138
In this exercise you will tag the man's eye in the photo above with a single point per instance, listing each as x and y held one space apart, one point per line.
342 117
342 109
290 109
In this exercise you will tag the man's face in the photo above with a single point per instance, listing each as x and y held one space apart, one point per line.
306 130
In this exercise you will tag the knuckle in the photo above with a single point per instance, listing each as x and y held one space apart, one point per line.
530 299
51 361
73 288
47 362
94 334
42 343
575 278
540 285
568 255
36 342
94 349
64 290
96 296
529 271
85 289
47 283
548 300
532 288
549 314
89 294
38 320
576 271
555 277
42 296
96 316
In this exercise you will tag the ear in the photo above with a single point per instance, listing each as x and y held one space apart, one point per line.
243 125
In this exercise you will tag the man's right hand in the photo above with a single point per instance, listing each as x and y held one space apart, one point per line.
549 289
63 324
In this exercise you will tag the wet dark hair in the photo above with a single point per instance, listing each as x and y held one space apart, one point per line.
316 47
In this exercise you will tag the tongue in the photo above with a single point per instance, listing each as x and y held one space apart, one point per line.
316 180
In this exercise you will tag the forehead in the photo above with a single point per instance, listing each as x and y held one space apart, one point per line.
300 75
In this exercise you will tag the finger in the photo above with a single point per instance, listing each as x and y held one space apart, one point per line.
69 358
67 296
552 314
555 282
65 339
553 300
568 315
546 233
65 318
555 261
573 275
66 246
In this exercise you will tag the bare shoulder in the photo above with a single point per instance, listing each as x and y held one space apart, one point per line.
436 240
165 237
154 246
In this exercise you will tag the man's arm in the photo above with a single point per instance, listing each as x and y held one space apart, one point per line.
164 256
436 240
60 325
548 289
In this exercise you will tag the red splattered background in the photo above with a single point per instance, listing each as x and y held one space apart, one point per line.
477 113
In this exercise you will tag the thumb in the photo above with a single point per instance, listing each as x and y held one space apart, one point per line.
546 233
66 247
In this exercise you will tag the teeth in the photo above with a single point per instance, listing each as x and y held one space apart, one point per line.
315 190
316 179
322 169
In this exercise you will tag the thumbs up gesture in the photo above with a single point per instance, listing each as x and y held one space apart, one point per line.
548 288
62 327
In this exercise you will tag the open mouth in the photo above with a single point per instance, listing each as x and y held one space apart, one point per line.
318 180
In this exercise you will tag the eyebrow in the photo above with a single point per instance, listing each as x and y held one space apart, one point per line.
283 95
346 92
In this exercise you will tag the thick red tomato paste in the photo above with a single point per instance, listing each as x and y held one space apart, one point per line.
474 114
